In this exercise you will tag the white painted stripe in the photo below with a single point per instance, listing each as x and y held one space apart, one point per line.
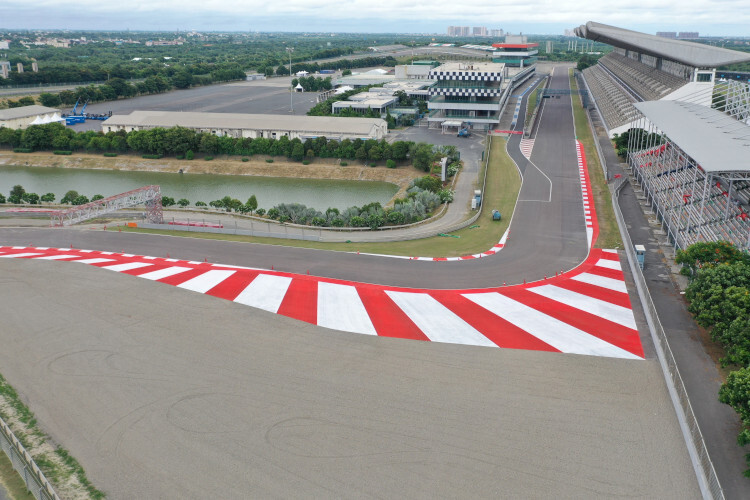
127 266
194 262
612 312
63 249
265 292
609 264
436 321
237 267
85 251
98 260
340 308
205 281
554 332
128 255
171 260
18 248
149 258
106 253
164 273
602 281
57 257
25 254
42 248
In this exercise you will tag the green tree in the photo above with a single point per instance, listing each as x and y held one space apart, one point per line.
17 192
735 392
69 197
167 201
80 200
361 154
48 198
182 79
298 152
50 100
2 199
422 156
97 197
711 253
31 198
252 203
183 202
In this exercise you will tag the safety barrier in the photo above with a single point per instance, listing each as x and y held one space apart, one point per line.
22 462
707 478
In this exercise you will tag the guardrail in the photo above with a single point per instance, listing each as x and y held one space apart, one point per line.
22 462
707 478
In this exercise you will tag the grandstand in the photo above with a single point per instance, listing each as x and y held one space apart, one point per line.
688 136
645 67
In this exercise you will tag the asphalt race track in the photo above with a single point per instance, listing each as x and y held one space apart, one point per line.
161 392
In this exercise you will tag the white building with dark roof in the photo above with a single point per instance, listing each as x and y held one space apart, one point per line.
252 126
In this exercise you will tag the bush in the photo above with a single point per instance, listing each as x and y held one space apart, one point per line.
269 160
152 157
208 158
446 195
64 153
273 213
189 155
23 150
200 204
390 164
246 159
180 157
2 199
260 211
305 162
373 164
343 164
110 155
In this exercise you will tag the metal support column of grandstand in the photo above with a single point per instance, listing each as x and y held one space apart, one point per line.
733 98
692 204
148 196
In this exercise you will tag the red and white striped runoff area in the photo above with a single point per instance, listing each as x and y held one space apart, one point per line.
584 311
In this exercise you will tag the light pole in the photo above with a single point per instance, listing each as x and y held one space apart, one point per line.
291 90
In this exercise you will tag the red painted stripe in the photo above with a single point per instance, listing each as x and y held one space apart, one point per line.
618 335
498 330
467 257
231 287
301 301
606 272
387 318
609 256
181 277
597 292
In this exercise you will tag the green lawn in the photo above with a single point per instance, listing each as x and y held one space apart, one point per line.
609 233
503 185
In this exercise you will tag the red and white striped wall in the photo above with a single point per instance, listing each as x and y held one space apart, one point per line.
586 311
589 214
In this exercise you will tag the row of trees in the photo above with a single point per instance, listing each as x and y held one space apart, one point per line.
313 83
719 296
184 142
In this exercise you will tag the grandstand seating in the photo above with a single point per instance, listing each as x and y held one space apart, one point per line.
648 82
614 103
669 181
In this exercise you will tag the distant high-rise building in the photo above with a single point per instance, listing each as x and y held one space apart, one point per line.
549 47
5 69
458 31
569 33
497 33
667 34
19 66
688 35
479 31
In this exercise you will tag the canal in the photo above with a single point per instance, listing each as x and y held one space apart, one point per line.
270 191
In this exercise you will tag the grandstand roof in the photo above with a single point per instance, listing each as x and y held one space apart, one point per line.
715 141
688 53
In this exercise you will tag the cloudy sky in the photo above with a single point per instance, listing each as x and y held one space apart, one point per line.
715 17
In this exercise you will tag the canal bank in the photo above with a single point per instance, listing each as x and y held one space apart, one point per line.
321 181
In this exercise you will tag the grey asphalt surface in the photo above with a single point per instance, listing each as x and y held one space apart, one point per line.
718 422
164 393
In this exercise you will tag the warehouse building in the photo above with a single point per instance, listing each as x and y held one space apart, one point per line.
252 126
28 115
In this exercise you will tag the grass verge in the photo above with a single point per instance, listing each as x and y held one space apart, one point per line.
609 233
503 185
63 471
11 480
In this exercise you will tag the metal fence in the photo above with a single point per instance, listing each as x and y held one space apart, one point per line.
707 478
22 462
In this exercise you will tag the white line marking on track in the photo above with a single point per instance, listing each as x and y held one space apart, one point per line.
97 260
265 292
436 321
612 312
127 266
340 308
56 257
164 273
602 281
554 332
205 281
609 264
17 255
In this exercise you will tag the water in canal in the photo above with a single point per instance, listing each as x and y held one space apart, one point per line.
316 193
